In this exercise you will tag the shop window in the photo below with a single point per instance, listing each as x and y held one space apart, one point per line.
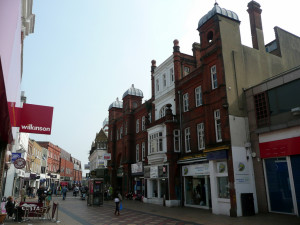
176 140
198 96
213 73
223 187
137 154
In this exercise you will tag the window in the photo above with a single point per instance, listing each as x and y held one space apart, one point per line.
213 73
176 140
186 102
200 132
261 109
121 132
186 70
162 112
198 96
210 36
157 85
149 114
137 126
143 123
218 125
187 135
156 142
171 75
126 125
137 153
223 187
143 151
164 80
117 134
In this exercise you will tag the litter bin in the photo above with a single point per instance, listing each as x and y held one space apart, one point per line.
247 204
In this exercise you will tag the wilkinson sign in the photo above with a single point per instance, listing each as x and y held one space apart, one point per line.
35 119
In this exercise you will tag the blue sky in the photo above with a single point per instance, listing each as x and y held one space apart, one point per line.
84 54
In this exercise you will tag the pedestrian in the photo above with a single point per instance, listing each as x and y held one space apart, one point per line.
41 194
49 197
23 194
117 201
64 192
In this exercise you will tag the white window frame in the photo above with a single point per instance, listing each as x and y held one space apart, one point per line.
162 112
198 96
157 85
150 117
187 138
218 127
176 134
143 151
164 80
201 136
156 143
214 79
143 123
171 75
185 98
137 129
137 152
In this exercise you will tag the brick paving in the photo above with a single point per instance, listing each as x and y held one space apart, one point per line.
74 211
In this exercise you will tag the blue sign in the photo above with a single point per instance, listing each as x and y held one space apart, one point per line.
15 156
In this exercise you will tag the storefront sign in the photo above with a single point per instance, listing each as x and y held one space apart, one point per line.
107 156
194 170
153 172
242 180
15 156
222 167
137 167
35 119
19 163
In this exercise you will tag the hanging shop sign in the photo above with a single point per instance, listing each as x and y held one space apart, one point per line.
137 168
20 163
35 119
15 156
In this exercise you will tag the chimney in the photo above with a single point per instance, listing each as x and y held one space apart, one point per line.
153 67
176 59
256 25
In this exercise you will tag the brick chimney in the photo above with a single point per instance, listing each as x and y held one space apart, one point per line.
153 67
256 25
176 58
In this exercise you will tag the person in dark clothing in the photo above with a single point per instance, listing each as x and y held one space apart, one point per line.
41 194
12 210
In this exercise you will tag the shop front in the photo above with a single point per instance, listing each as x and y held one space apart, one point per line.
157 184
137 186
281 160
197 191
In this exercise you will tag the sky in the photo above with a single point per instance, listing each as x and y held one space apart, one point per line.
84 54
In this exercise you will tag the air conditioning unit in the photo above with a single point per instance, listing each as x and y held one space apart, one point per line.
295 111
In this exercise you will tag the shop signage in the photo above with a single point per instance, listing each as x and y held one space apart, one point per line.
35 119
195 169
15 156
33 176
107 156
222 167
153 172
53 176
19 163
137 167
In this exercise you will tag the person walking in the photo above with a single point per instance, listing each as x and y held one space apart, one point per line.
23 194
117 202
41 194
64 192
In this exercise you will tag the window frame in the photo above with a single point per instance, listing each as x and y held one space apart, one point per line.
214 78
176 138
137 128
185 99
187 139
172 75
201 136
218 125
143 123
164 80
198 96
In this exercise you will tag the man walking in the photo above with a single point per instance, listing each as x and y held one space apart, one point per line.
64 192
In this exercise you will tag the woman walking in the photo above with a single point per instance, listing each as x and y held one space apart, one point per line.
117 201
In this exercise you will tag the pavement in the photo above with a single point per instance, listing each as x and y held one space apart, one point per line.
74 211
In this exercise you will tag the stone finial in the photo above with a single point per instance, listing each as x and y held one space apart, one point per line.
176 42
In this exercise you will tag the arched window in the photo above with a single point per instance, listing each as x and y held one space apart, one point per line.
162 112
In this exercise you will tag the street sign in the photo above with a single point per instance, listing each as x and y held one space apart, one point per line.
15 156
19 163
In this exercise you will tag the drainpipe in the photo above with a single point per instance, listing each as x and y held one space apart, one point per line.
181 148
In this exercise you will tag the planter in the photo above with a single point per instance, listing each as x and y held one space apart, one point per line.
2 218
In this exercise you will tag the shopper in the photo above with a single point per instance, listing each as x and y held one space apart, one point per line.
41 194
64 192
117 201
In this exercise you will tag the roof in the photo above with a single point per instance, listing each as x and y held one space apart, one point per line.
116 104
133 91
217 10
